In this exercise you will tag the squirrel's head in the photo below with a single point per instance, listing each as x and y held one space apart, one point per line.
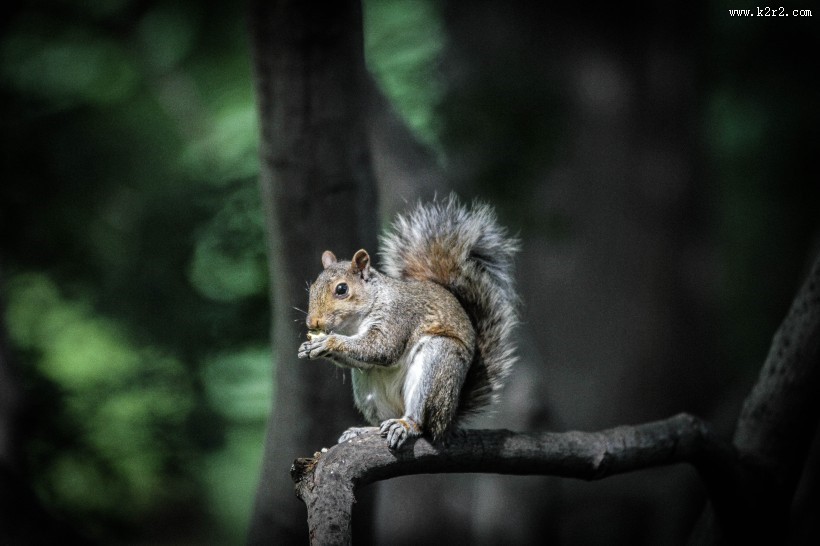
340 298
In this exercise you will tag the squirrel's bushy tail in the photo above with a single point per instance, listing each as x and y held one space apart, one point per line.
468 252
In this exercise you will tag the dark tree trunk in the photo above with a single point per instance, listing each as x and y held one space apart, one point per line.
774 432
319 193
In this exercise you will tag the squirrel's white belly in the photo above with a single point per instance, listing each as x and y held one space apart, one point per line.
386 392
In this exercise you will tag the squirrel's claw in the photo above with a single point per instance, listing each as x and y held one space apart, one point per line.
313 349
304 350
399 431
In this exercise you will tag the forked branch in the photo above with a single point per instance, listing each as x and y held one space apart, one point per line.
328 481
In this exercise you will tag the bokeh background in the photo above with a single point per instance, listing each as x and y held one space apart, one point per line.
658 161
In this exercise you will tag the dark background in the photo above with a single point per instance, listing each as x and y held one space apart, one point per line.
658 161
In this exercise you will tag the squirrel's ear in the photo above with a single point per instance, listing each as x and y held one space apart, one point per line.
360 264
328 259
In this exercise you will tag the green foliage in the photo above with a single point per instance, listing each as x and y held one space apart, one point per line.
167 34
134 258
66 65
231 493
228 263
133 243
403 44
235 385
119 398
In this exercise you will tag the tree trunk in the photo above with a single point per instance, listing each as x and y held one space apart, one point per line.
319 193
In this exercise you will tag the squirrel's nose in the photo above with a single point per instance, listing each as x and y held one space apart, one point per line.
313 323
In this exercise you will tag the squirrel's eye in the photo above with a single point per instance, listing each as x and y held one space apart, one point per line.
341 289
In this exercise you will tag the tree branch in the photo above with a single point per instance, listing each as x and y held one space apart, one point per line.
750 482
328 481
774 428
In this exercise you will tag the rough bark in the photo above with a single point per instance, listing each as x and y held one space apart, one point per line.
776 427
328 481
772 429
319 193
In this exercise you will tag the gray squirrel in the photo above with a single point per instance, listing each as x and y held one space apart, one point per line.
430 339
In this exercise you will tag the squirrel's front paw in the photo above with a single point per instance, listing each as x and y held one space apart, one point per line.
313 349
399 431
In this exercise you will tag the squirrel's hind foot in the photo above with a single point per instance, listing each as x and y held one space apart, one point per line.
399 431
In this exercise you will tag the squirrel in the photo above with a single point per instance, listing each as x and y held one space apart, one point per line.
429 340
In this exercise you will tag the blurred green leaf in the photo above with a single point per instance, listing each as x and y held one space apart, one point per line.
239 384
29 298
229 256
737 124
226 151
66 66
74 482
130 194
121 396
167 34
403 44
230 493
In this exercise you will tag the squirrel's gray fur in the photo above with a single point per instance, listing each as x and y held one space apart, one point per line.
430 339
480 255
